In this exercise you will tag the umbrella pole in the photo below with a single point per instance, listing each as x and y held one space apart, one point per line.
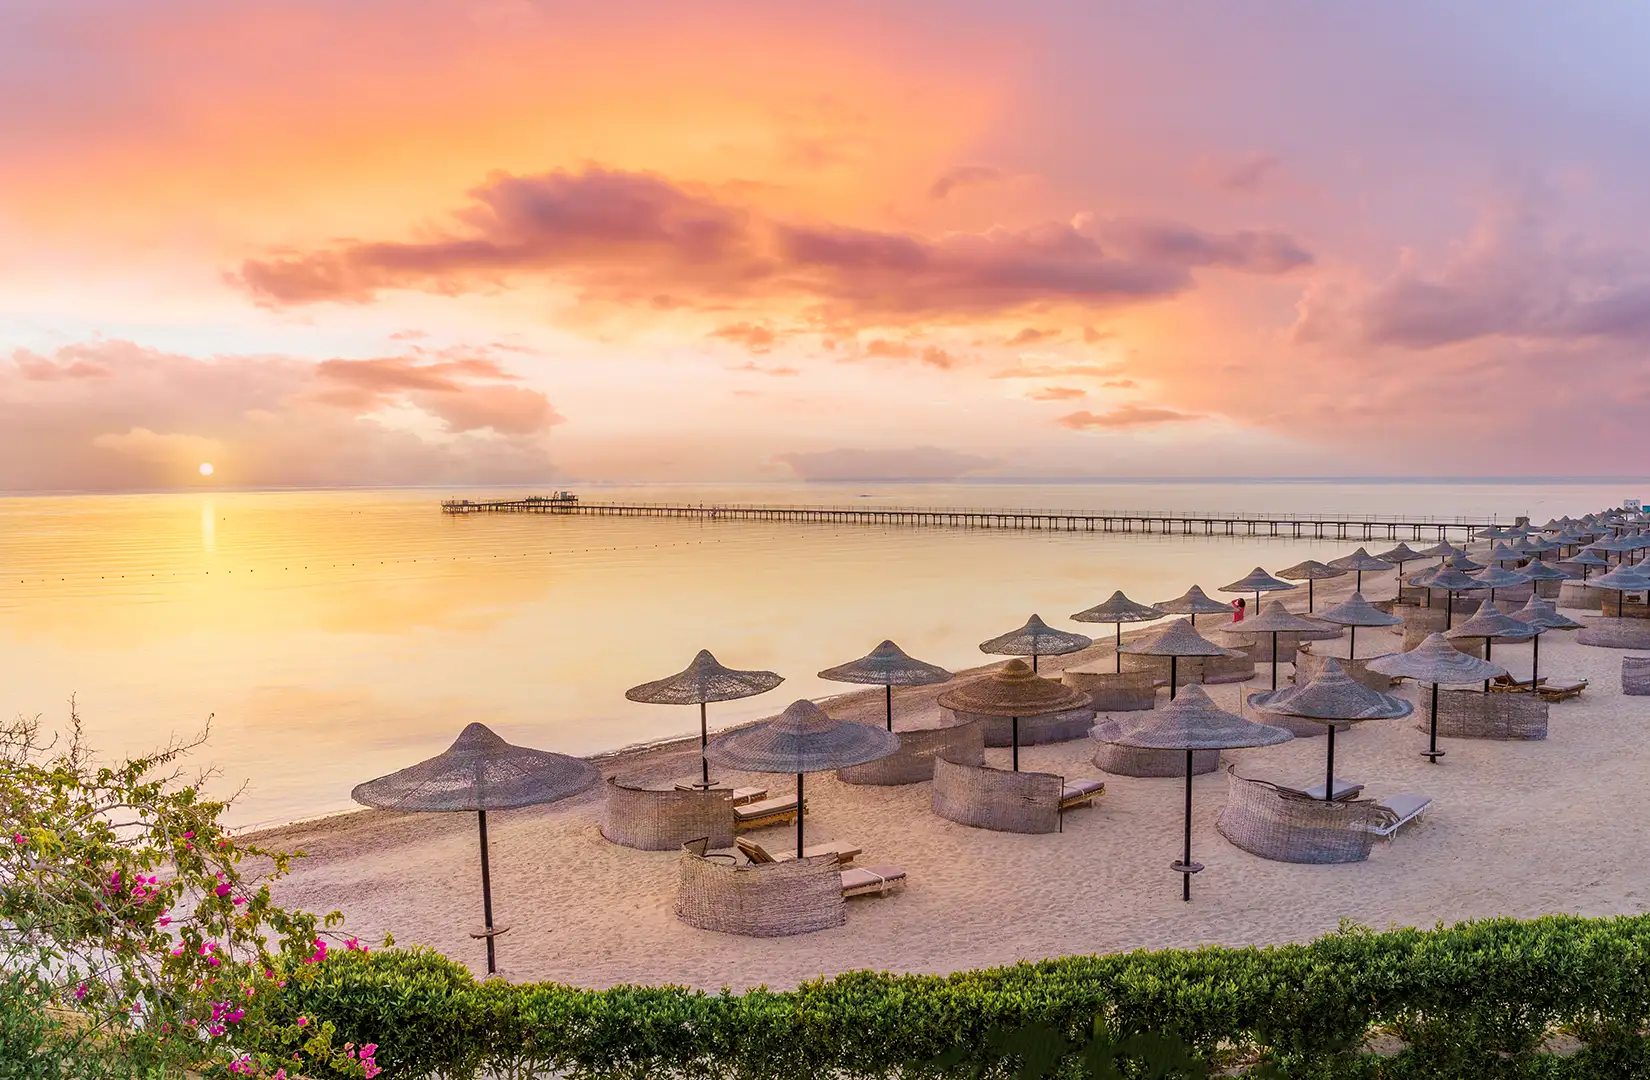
1352 650
1310 602
1274 660
1329 771
1119 647
889 698
1034 663
800 807
1535 660
1186 867
1174 670
1433 753
1487 646
1015 739
1449 610
487 895
704 741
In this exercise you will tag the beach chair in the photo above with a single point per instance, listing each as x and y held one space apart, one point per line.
1561 691
1075 793
1408 808
741 795
765 812
878 879
1506 684
844 851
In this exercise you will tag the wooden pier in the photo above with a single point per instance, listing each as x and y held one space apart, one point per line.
1174 523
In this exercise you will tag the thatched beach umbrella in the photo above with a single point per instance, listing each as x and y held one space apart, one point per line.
1621 581
1587 559
1193 602
1014 691
699 683
1360 561
1354 612
1463 562
1193 722
480 772
1536 570
1119 610
1501 553
1332 697
1538 546
1398 556
1539 612
1177 639
1257 581
887 666
1435 661
801 740
1451 581
1274 619
1495 577
1311 571
1489 623
1036 638
1443 549
1494 532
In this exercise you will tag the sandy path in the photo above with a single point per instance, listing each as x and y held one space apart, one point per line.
1517 829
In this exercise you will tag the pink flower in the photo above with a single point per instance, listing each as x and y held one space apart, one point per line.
280 1074
303 1021
222 890
369 1050
80 992
19 838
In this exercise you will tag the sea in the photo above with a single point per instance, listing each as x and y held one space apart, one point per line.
322 638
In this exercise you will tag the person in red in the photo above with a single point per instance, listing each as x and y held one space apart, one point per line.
1239 609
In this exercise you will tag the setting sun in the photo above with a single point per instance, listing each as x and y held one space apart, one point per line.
206 468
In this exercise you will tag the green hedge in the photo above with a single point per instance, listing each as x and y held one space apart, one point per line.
1554 997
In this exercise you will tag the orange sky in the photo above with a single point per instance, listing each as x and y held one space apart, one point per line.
329 242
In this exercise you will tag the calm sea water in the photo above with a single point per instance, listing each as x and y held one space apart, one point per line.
334 636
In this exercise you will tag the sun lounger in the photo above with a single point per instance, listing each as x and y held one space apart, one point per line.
1506 684
844 851
756 815
741 795
1077 793
1561 691
866 880
1344 789
1408 808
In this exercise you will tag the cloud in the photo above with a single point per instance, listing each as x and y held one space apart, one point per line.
915 463
936 357
1057 393
961 176
632 237
264 421
1245 176
754 337
895 349
1091 336
1058 371
1031 336
754 368
1124 417
1119 384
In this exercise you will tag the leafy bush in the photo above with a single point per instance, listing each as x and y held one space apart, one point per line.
1483 999
133 942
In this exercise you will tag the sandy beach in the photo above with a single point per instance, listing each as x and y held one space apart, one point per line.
1516 829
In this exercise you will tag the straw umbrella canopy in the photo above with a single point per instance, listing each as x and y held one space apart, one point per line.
1360 561
1539 612
1354 612
1501 553
1494 532
1443 549
1332 697
1496 576
1621 581
1536 570
699 683
1014 691
1587 559
478 773
1311 571
1193 602
1489 623
888 666
1257 581
1036 638
1274 619
1118 610
1193 722
1464 562
1436 661
1620 545
1177 639
1400 555
1451 581
801 740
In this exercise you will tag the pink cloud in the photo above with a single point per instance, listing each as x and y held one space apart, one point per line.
1057 393
1124 417
754 337
962 176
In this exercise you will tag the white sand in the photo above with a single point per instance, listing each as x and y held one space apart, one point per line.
1517 828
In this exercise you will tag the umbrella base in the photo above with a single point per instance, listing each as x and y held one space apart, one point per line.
704 785
1432 755
483 932
1186 867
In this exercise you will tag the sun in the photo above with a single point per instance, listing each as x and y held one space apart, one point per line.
206 468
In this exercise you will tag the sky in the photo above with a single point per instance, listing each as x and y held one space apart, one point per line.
335 242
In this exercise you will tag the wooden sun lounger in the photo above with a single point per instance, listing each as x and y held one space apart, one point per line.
877 879
764 812
844 851
741 795
1077 793
1408 808
1506 684
1561 691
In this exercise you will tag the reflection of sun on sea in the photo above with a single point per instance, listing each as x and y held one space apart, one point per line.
206 468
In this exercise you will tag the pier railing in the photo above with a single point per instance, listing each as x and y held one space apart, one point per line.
1186 522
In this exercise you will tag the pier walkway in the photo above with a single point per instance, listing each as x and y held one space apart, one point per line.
1198 523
